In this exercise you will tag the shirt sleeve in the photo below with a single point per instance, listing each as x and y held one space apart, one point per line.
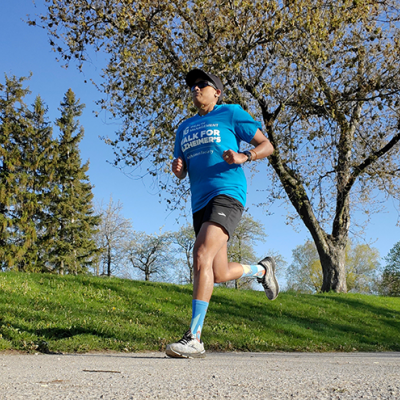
178 149
245 126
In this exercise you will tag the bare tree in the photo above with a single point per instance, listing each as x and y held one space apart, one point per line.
114 232
184 241
150 254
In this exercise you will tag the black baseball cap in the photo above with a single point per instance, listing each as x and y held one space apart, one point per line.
196 73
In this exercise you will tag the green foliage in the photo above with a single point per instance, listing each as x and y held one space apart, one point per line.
241 245
305 273
390 284
27 163
45 196
246 235
73 222
305 67
82 313
362 266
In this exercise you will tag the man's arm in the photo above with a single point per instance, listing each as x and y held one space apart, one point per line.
262 148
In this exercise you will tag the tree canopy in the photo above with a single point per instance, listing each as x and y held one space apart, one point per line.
322 75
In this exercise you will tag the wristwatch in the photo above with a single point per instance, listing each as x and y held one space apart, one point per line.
248 154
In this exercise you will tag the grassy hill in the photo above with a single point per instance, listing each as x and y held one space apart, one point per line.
41 312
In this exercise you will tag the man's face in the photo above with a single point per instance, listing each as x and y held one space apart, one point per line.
204 95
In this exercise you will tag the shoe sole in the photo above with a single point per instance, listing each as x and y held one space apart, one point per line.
174 354
272 261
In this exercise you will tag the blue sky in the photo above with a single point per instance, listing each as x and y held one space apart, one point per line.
26 49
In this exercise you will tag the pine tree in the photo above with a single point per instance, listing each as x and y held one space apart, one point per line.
74 222
46 215
11 127
26 165
390 284
27 162
41 159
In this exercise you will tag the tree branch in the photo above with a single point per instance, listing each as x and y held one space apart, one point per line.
358 170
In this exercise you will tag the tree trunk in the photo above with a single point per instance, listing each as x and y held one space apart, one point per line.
331 248
75 264
239 260
333 267
190 267
109 261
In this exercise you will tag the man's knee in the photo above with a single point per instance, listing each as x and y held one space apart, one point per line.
219 278
201 258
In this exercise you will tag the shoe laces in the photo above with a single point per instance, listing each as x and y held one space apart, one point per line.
187 337
263 282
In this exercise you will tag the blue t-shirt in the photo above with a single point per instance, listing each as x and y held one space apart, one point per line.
200 142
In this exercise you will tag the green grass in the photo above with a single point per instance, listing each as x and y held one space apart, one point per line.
41 312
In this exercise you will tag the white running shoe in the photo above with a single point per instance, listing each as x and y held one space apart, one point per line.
269 282
187 347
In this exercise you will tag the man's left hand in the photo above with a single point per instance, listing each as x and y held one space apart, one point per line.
231 157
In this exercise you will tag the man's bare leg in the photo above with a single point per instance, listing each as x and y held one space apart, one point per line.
211 239
225 271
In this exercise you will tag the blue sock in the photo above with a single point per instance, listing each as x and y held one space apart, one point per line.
199 310
255 271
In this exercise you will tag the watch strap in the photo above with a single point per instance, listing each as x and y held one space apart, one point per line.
248 154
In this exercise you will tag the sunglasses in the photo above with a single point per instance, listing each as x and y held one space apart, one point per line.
201 85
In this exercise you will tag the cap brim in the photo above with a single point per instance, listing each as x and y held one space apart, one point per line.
195 74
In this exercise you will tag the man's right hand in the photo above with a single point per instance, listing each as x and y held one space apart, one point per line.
179 168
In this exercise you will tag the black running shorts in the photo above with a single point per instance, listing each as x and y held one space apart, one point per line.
223 210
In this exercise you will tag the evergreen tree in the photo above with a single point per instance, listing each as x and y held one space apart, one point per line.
41 159
26 154
74 222
46 215
390 284
11 127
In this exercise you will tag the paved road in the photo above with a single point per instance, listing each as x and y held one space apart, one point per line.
264 376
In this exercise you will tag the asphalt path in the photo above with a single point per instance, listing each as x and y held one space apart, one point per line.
218 376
